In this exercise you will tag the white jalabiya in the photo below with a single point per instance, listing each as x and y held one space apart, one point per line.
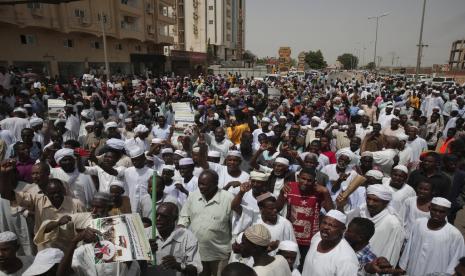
80 184
385 159
405 156
224 177
389 232
83 264
104 178
136 181
410 213
418 145
278 267
281 231
340 261
399 195
431 251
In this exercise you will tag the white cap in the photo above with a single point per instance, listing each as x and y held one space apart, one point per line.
234 153
8 236
186 161
60 154
157 141
288 246
196 149
91 123
166 150
35 121
316 118
347 152
214 153
181 153
140 129
337 215
168 167
401 168
20 109
116 182
380 191
259 176
360 113
367 153
115 143
110 125
44 261
375 174
135 151
440 201
282 160
282 117
266 120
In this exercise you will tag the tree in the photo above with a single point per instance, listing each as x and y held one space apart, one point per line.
315 60
371 65
348 61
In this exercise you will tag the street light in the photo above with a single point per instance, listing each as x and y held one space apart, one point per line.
420 43
376 34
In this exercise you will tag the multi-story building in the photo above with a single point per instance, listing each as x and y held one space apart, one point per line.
216 27
67 39
457 55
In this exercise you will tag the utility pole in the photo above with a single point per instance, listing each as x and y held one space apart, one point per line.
376 33
103 20
420 42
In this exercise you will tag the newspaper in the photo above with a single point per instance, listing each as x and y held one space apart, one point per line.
55 108
183 117
123 239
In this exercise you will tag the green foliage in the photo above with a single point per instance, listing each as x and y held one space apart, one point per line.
348 61
315 60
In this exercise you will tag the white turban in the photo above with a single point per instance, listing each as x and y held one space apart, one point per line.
214 154
380 191
140 129
157 141
345 151
282 160
91 123
181 153
288 246
114 143
316 118
441 202
367 153
375 174
266 120
35 121
337 215
168 167
87 113
110 125
116 182
60 154
259 176
8 236
135 151
186 162
166 150
235 153
401 168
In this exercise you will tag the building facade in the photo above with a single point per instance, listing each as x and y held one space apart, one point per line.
67 39
215 27
457 55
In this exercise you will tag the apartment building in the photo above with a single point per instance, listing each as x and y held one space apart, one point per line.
457 55
67 39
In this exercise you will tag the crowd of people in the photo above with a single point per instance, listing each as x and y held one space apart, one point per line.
340 175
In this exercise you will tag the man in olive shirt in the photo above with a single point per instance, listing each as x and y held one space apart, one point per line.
207 213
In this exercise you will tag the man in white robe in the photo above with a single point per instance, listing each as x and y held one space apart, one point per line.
385 158
434 245
399 187
389 231
416 143
16 124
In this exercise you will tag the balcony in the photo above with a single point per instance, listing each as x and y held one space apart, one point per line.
166 15
165 40
133 7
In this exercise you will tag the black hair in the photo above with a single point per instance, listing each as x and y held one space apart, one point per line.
269 199
72 143
310 171
212 174
365 227
236 269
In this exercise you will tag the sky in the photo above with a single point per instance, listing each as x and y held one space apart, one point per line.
342 26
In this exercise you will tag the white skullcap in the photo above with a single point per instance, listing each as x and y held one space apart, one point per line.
110 125
152 101
20 109
259 176
380 191
282 160
337 215
367 153
114 143
157 141
167 167
58 121
375 174
91 123
44 261
186 161
166 150
60 154
402 136
181 153
258 234
345 151
282 117
264 196
401 168
116 182
360 113
128 120
440 201
135 151
196 149
140 129
316 118
235 153
8 236
87 113
27 105
214 154
266 120
35 121
288 246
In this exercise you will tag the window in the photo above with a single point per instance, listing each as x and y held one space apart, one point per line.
119 46
68 43
79 13
138 48
95 44
210 21
27 39
210 8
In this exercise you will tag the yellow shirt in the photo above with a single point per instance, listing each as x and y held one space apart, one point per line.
235 133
